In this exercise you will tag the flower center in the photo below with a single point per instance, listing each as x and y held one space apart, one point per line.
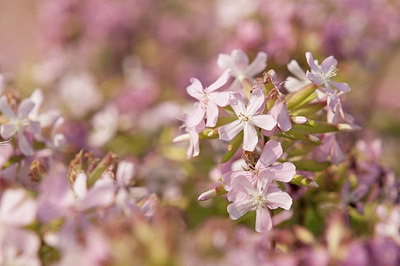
259 200
331 73
243 118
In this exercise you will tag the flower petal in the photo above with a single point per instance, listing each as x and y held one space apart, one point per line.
238 209
311 63
279 199
195 89
257 99
316 78
283 172
5 108
24 145
226 62
258 65
294 68
221 81
240 59
250 138
237 104
196 116
80 186
328 63
229 131
25 107
220 98
263 220
271 152
341 86
8 130
212 114
266 122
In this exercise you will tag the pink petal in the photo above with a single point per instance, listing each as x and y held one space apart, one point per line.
8 130
316 78
125 173
328 63
5 108
266 122
193 149
283 172
296 70
257 99
25 107
229 131
311 63
237 104
195 89
6 151
279 199
221 81
24 145
271 152
250 138
258 65
263 220
195 117
240 59
226 62
212 114
80 186
341 86
283 119
241 183
238 209
98 197
220 98
15 210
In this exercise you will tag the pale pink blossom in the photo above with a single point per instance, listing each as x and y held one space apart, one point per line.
265 169
192 135
238 63
280 113
329 150
248 119
19 124
259 198
299 81
209 100
321 75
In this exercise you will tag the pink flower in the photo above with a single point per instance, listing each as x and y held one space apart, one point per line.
281 115
238 63
265 169
19 123
258 198
299 81
321 75
193 136
209 100
329 149
247 120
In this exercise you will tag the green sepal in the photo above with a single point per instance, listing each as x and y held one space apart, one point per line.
233 147
303 96
303 181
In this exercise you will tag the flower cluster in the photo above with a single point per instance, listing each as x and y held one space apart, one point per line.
261 116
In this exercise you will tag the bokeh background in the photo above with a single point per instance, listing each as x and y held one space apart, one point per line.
118 69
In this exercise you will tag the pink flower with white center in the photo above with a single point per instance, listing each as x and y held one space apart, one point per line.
193 136
335 113
321 75
19 123
265 169
247 120
238 63
258 198
209 100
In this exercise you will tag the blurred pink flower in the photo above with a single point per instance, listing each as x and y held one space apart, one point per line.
19 123
238 63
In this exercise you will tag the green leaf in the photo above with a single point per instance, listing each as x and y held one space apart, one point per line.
233 147
311 165
300 97
309 109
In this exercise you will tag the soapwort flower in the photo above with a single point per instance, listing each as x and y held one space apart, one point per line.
248 118
19 123
209 100
265 195
238 63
